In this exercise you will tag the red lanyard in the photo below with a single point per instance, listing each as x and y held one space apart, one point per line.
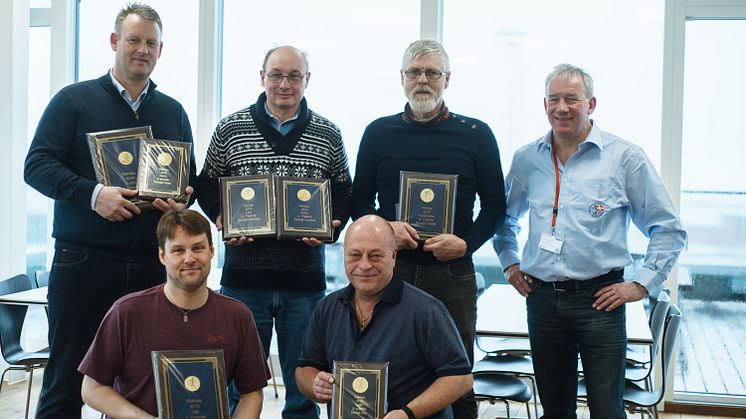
556 187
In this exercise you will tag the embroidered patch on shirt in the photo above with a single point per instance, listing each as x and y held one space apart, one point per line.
597 209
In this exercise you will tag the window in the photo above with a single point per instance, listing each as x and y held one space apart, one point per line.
38 206
501 55
712 272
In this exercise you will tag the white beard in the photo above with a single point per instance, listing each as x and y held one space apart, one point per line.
423 104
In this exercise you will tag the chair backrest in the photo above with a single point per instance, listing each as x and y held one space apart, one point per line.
12 316
670 332
42 278
657 320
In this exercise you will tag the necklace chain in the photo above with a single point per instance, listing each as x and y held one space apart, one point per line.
184 313
364 319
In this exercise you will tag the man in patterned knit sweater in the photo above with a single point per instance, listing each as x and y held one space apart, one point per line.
280 281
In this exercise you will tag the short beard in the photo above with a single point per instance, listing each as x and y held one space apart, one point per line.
422 105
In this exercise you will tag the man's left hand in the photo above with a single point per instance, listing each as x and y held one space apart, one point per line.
445 247
610 297
313 242
170 204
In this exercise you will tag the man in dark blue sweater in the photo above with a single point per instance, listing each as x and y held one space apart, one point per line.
105 246
427 137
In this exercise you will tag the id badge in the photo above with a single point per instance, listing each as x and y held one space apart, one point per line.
550 243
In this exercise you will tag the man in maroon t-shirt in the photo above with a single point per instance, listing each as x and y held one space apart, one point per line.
182 314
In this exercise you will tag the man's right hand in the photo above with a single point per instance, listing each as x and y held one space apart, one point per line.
322 386
406 235
235 241
521 281
112 203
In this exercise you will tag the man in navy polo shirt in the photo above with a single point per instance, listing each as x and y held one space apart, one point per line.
379 318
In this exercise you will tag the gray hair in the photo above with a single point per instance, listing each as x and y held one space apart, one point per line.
302 53
569 71
143 10
424 47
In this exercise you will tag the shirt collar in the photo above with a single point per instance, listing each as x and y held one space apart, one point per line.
443 115
125 94
277 121
594 137
391 294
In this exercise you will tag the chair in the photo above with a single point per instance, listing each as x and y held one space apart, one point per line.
517 365
657 317
41 278
493 387
11 324
496 345
636 398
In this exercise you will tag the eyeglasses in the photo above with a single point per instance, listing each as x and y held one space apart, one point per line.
430 74
293 78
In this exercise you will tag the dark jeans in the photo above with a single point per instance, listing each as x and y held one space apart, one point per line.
454 284
82 288
291 312
563 323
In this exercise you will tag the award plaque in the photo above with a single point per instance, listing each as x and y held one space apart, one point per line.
190 384
115 156
163 171
248 206
427 202
303 208
359 390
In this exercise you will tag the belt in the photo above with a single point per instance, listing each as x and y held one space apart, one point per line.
579 284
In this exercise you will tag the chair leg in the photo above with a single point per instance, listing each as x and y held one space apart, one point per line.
28 393
2 378
536 396
272 371
507 408
528 410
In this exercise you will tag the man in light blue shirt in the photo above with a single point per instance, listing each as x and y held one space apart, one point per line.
581 187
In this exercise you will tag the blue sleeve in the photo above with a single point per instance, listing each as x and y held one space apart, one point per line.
47 169
440 342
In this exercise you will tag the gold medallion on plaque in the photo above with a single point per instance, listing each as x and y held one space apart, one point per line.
248 193
165 159
192 383
427 195
360 384
304 195
125 158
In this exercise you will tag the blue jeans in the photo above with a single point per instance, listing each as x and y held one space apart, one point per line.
454 284
82 288
563 323
290 311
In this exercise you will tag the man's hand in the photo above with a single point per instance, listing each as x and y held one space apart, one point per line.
170 204
322 387
445 247
406 235
112 203
521 281
313 242
610 297
396 414
235 241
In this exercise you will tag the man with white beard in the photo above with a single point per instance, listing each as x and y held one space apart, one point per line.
427 137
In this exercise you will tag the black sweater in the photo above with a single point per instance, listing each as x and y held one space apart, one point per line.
453 144
245 143
59 165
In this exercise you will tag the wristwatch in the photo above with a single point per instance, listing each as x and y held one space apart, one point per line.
408 411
